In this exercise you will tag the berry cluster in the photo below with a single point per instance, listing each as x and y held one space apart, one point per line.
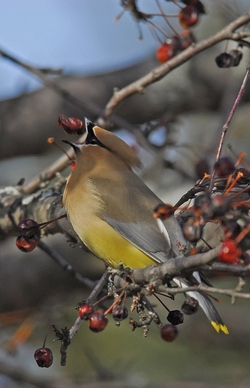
226 204
188 17
223 207
97 319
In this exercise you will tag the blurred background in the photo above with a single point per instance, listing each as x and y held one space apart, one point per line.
187 108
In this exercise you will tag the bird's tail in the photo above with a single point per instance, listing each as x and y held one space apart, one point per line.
206 305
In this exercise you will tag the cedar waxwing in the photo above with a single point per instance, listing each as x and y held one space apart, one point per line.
111 210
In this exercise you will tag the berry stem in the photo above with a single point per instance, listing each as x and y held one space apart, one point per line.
161 302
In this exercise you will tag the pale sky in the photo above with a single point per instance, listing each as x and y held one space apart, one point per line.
77 35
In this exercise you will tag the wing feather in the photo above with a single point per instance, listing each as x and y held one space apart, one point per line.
129 206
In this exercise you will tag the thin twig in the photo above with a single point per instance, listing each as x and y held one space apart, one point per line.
228 292
230 116
59 259
96 291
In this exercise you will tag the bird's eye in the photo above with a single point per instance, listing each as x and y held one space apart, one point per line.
92 140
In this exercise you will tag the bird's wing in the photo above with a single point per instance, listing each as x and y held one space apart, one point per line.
143 237
129 206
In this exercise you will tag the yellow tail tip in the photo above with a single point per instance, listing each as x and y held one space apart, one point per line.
219 326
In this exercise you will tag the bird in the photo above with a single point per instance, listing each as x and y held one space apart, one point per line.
111 210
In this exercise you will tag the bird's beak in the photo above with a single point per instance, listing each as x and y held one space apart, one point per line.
76 146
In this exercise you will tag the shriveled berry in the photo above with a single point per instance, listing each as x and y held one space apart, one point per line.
119 312
224 60
229 251
175 42
43 357
190 306
219 206
224 166
192 230
169 332
231 229
236 57
201 199
85 310
97 321
175 317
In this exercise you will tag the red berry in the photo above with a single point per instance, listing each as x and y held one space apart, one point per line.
169 332
188 16
97 321
26 245
85 310
229 252
43 357
165 52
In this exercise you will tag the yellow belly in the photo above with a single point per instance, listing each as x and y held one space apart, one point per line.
111 247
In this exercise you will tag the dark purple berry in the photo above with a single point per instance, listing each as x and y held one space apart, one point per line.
175 317
43 357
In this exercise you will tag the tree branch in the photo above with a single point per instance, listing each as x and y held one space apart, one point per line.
41 206
161 71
